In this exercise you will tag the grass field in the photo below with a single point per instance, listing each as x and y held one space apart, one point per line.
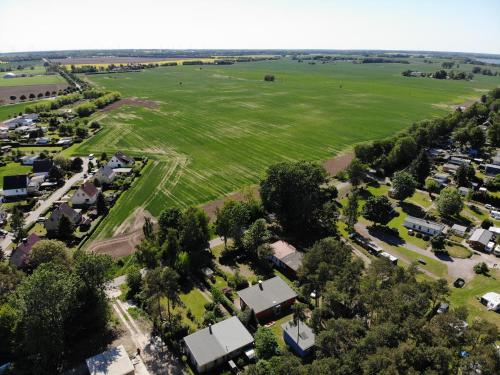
11 110
29 81
216 128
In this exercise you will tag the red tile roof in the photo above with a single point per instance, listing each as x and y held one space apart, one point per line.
89 189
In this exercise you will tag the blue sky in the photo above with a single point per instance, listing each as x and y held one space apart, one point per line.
439 25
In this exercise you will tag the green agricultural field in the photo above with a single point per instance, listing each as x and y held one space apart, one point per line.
29 81
11 110
215 129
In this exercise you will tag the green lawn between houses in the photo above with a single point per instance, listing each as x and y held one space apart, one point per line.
13 169
219 130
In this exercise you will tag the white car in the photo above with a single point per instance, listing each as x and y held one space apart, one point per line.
489 248
495 214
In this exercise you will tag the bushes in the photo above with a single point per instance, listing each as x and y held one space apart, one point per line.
481 269
237 281
219 297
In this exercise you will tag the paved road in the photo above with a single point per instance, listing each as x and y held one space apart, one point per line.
42 206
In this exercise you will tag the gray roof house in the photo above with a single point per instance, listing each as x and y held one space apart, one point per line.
267 298
425 226
459 229
480 238
492 169
212 346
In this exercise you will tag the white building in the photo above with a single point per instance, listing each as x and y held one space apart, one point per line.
120 160
424 226
85 195
491 300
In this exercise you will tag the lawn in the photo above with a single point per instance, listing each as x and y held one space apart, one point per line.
13 169
29 81
11 110
215 129
458 251
467 296
194 301
278 332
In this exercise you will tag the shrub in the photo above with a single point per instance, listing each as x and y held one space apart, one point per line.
418 235
481 269
269 78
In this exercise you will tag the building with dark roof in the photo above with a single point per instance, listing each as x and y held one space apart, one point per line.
211 347
299 337
42 167
268 298
15 186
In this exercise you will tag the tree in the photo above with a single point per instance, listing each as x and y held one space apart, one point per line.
449 202
421 167
55 173
147 229
169 218
464 175
232 220
461 136
22 97
65 228
154 290
477 138
170 281
356 172
44 303
378 209
494 134
431 185
269 78
13 97
147 253
134 281
292 190
256 235
17 222
266 345
403 185
101 205
402 153
49 251
481 268
182 263
76 164
351 211
171 247
32 96
437 243
299 316
194 234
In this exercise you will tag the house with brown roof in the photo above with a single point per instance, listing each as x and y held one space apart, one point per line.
286 257
52 223
21 253
120 160
85 195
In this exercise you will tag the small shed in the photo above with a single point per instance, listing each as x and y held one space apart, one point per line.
491 300
459 229
299 337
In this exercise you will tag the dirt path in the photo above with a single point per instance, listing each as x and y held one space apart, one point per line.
338 163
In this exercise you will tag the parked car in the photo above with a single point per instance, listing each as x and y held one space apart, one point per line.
91 156
421 261
3 232
458 283
443 307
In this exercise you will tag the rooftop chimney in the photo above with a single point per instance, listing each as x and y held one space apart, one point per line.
260 285
210 328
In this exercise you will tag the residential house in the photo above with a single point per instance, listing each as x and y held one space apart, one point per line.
424 226
28 159
480 239
450 168
267 298
15 186
459 229
85 195
299 337
286 257
52 223
458 161
105 175
492 169
42 167
216 344
112 362
442 178
120 160
21 252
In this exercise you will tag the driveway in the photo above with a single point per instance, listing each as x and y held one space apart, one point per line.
43 206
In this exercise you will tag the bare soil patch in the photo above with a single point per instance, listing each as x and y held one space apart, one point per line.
338 163
8 91
131 101
210 208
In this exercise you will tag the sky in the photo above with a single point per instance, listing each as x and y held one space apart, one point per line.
432 25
